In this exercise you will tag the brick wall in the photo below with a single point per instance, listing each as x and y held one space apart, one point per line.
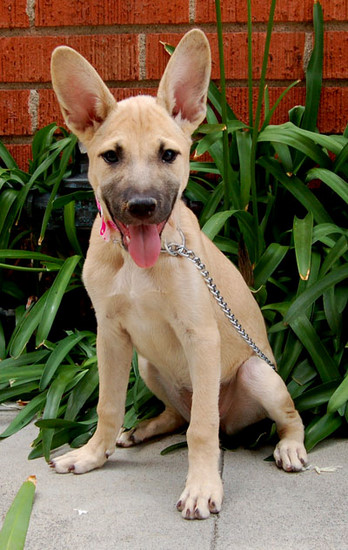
121 38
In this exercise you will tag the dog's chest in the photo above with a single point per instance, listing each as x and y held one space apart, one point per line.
143 309
135 289
139 305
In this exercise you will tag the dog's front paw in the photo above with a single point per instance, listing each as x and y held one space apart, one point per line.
201 498
290 455
79 461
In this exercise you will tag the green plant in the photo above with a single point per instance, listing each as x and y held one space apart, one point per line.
14 530
261 207
43 364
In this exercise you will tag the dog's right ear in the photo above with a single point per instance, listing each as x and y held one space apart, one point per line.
184 84
84 99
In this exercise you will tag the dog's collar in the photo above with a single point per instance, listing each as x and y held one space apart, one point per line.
107 227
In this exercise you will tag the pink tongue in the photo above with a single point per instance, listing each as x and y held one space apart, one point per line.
144 245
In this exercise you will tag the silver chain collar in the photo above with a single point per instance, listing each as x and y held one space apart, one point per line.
175 249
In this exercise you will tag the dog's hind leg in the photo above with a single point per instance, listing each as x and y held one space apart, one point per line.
259 391
168 421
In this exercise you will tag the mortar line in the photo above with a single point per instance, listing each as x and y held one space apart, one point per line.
30 11
215 537
33 109
192 11
142 56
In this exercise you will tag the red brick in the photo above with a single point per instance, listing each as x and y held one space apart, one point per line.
27 58
14 114
21 153
333 111
118 12
49 110
235 11
285 60
13 14
335 54
238 99
156 57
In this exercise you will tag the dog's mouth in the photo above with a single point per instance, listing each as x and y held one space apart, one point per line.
143 241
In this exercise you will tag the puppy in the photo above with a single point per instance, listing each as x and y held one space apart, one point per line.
157 303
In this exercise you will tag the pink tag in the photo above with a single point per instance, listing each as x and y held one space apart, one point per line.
105 228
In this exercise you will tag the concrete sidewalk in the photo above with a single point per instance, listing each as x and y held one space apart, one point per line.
130 503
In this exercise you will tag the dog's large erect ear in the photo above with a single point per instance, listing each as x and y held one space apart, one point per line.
84 99
184 85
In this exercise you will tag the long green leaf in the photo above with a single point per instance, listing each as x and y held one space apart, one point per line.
326 366
7 198
339 397
332 180
81 393
7 157
308 297
54 298
297 140
206 142
62 168
230 195
244 153
212 227
205 167
58 354
336 252
341 161
70 227
17 391
25 359
41 141
322 232
28 255
277 102
268 263
332 312
53 401
314 71
16 523
320 429
302 231
24 373
54 423
25 415
295 186
212 204
26 327
315 396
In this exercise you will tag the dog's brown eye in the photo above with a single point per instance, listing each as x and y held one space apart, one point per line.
169 155
111 157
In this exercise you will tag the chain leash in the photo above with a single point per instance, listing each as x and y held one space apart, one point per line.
175 249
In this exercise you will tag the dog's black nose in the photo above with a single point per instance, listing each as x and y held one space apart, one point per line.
142 207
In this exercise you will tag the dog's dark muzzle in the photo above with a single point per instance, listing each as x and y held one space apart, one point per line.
142 207
132 207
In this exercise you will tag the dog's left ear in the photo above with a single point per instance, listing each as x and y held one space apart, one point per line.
184 85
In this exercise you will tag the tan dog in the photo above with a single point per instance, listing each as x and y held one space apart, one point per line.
189 354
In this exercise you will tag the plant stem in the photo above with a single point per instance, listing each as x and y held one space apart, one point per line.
227 190
250 66
255 131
